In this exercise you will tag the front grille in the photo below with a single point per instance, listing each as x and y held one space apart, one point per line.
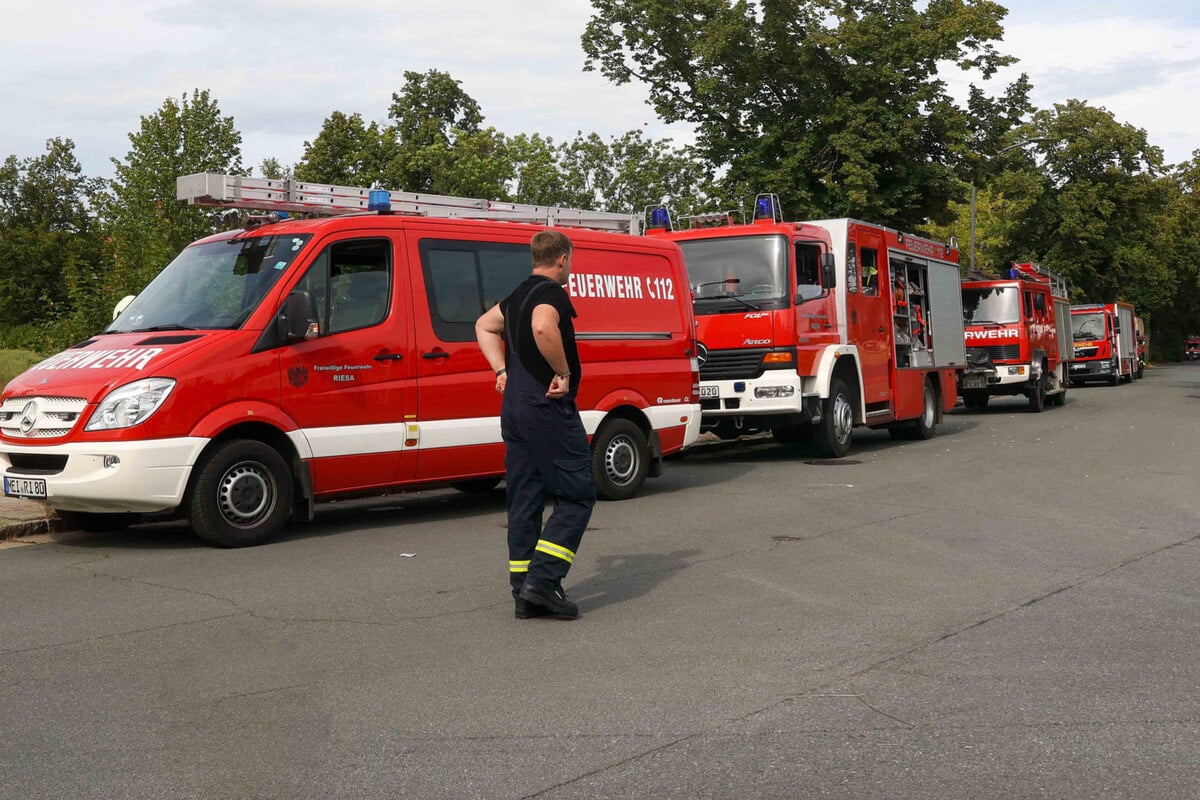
51 417
732 364
1004 352
36 464
1087 352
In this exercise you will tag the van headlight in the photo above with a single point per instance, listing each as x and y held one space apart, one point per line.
130 404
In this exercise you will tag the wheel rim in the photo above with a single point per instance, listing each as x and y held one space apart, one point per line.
843 419
621 459
929 413
246 494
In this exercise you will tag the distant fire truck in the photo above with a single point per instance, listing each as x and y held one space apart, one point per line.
808 329
1191 349
1018 337
1105 343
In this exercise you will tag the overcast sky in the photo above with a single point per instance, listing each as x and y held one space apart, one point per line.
89 69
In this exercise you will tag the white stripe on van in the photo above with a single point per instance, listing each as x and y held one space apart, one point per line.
350 440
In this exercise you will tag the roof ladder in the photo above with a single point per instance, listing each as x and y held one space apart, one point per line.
266 194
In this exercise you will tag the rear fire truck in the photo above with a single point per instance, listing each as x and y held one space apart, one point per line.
1191 349
1104 343
1018 337
808 329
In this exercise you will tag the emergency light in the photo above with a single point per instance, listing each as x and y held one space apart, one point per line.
660 218
379 200
766 207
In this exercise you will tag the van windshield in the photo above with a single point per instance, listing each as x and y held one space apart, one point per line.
994 304
214 286
748 270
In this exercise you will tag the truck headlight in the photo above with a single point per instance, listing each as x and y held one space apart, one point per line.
774 391
130 404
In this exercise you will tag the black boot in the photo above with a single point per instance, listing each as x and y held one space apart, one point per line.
553 600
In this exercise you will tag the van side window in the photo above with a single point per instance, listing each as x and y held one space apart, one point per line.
464 279
351 283
808 271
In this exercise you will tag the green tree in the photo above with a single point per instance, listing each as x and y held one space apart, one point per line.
630 172
148 225
52 254
836 105
347 152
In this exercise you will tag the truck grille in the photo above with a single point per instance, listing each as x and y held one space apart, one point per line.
731 364
40 417
1086 352
1004 352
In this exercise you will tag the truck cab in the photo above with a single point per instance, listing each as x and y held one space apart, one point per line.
1104 343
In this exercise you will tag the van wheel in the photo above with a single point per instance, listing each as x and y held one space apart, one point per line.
242 495
93 522
833 433
477 485
620 459
925 426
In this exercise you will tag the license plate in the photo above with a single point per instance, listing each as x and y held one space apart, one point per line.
1078 366
25 487
974 381
710 391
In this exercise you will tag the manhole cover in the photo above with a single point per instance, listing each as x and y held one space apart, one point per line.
832 462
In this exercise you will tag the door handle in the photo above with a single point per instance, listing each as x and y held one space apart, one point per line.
881 330
389 356
435 354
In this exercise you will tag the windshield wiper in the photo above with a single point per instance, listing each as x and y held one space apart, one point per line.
153 328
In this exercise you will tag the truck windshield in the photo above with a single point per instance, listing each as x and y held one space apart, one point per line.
993 304
749 270
216 285
1087 327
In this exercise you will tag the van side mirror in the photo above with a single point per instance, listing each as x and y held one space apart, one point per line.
297 319
122 304
828 271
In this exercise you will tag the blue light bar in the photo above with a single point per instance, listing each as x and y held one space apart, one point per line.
660 218
379 200
763 208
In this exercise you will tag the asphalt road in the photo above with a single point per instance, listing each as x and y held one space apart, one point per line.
1007 611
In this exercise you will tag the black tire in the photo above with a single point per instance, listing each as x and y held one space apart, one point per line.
1037 395
925 426
973 398
93 522
478 485
620 459
834 432
242 495
1115 377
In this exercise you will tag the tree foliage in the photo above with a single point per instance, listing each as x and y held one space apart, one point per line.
148 225
835 105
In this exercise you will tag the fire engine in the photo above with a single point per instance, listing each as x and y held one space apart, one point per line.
1191 348
303 360
1018 337
1104 343
808 329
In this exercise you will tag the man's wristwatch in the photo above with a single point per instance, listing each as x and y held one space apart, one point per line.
563 374
500 372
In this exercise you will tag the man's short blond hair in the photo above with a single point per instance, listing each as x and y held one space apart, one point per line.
548 245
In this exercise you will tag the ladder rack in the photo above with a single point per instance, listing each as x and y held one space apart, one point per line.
266 194
1058 284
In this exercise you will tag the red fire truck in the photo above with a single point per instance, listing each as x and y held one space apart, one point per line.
268 368
1105 347
1018 337
1191 348
813 328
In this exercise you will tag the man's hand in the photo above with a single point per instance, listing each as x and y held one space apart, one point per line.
559 386
501 382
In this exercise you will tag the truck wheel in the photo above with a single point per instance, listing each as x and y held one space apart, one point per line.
833 433
925 426
975 399
478 485
620 459
93 522
242 495
1115 377
1037 395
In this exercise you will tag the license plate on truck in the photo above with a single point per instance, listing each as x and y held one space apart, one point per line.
24 487
710 391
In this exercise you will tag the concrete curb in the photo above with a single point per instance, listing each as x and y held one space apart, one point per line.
15 529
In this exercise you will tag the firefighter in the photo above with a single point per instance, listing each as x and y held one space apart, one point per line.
545 444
